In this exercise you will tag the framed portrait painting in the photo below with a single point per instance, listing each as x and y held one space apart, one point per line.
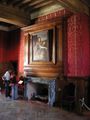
40 46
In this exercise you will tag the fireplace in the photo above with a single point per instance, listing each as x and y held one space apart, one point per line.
42 89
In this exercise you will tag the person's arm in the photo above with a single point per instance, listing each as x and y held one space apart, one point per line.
3 77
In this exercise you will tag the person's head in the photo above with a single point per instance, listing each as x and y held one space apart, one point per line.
39 39
10 71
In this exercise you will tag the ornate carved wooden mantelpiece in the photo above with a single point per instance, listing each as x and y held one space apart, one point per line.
39 63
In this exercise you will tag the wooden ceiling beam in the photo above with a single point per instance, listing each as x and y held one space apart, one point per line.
41 4
25 3
34 2
30 4
87 2
38 6
14 1
14 16
17 3
73 5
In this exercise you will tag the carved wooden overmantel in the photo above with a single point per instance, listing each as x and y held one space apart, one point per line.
47 64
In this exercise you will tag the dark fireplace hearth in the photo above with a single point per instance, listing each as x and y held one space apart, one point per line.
41 89
41 92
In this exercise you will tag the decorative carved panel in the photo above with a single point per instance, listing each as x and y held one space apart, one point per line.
43 49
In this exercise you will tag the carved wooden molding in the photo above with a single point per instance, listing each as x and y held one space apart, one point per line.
52 63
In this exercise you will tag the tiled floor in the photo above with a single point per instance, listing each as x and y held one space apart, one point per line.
29 110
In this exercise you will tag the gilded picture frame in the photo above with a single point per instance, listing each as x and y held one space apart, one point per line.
45 52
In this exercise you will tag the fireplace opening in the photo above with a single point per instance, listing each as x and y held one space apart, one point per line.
37 92
41 92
